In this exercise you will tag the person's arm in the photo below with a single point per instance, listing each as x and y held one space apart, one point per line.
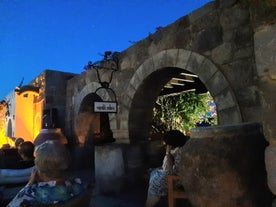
33 178
168 160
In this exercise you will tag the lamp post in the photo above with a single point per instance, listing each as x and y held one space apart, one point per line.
110 62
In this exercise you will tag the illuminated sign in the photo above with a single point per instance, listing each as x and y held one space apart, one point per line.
105 107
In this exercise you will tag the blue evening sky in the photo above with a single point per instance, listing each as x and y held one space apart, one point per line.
65 34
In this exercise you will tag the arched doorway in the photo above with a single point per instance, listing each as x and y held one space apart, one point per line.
150 78
94 126
156 71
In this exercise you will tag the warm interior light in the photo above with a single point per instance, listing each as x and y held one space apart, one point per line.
175 94
168 86
176 82
189 74
188 79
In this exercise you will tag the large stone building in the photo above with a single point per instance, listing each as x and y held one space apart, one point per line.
229 46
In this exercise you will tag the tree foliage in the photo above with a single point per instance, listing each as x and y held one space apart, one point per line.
182 112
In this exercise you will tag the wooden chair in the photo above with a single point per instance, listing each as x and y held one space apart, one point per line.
174 192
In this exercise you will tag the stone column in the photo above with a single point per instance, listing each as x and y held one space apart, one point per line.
265 54
109 168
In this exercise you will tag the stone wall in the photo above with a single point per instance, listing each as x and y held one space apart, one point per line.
224 166
216 42
265 52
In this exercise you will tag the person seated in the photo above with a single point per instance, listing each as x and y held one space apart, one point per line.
26 152
18 141
6 146
10 154
18 170
173 140
48 183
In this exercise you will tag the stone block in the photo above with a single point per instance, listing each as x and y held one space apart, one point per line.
226 3
207 70
135 81
217 80
248 96
146 68
207 39
199 13
109 169
252 113
265 48
233 17
160 59
223 53
208 20
182 59
224 100
194 62
245 52
240 73
229 115
224 166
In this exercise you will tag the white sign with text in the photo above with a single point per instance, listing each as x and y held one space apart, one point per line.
107 107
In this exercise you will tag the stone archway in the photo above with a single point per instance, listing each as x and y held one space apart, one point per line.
227 107
84 110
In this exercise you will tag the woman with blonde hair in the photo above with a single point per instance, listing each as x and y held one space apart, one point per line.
48 184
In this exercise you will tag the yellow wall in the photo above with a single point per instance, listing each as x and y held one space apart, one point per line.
27 116
3 138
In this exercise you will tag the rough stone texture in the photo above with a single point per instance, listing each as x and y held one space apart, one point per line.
224 166
240 73
207 39
234 17
210 42
201 12
109 168
226 3
225 99
265 49
270 161
229 115
265 54
236 62
217 79
265 44
223 53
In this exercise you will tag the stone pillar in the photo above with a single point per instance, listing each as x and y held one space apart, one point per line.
155 153
224 166
265 54
134 162
270 161
109 168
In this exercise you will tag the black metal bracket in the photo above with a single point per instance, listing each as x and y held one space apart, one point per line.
109 62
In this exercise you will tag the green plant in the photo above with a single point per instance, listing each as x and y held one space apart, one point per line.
182 112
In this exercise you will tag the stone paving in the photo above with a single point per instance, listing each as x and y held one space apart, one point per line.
135 197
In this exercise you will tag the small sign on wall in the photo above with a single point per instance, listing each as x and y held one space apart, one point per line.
105 107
